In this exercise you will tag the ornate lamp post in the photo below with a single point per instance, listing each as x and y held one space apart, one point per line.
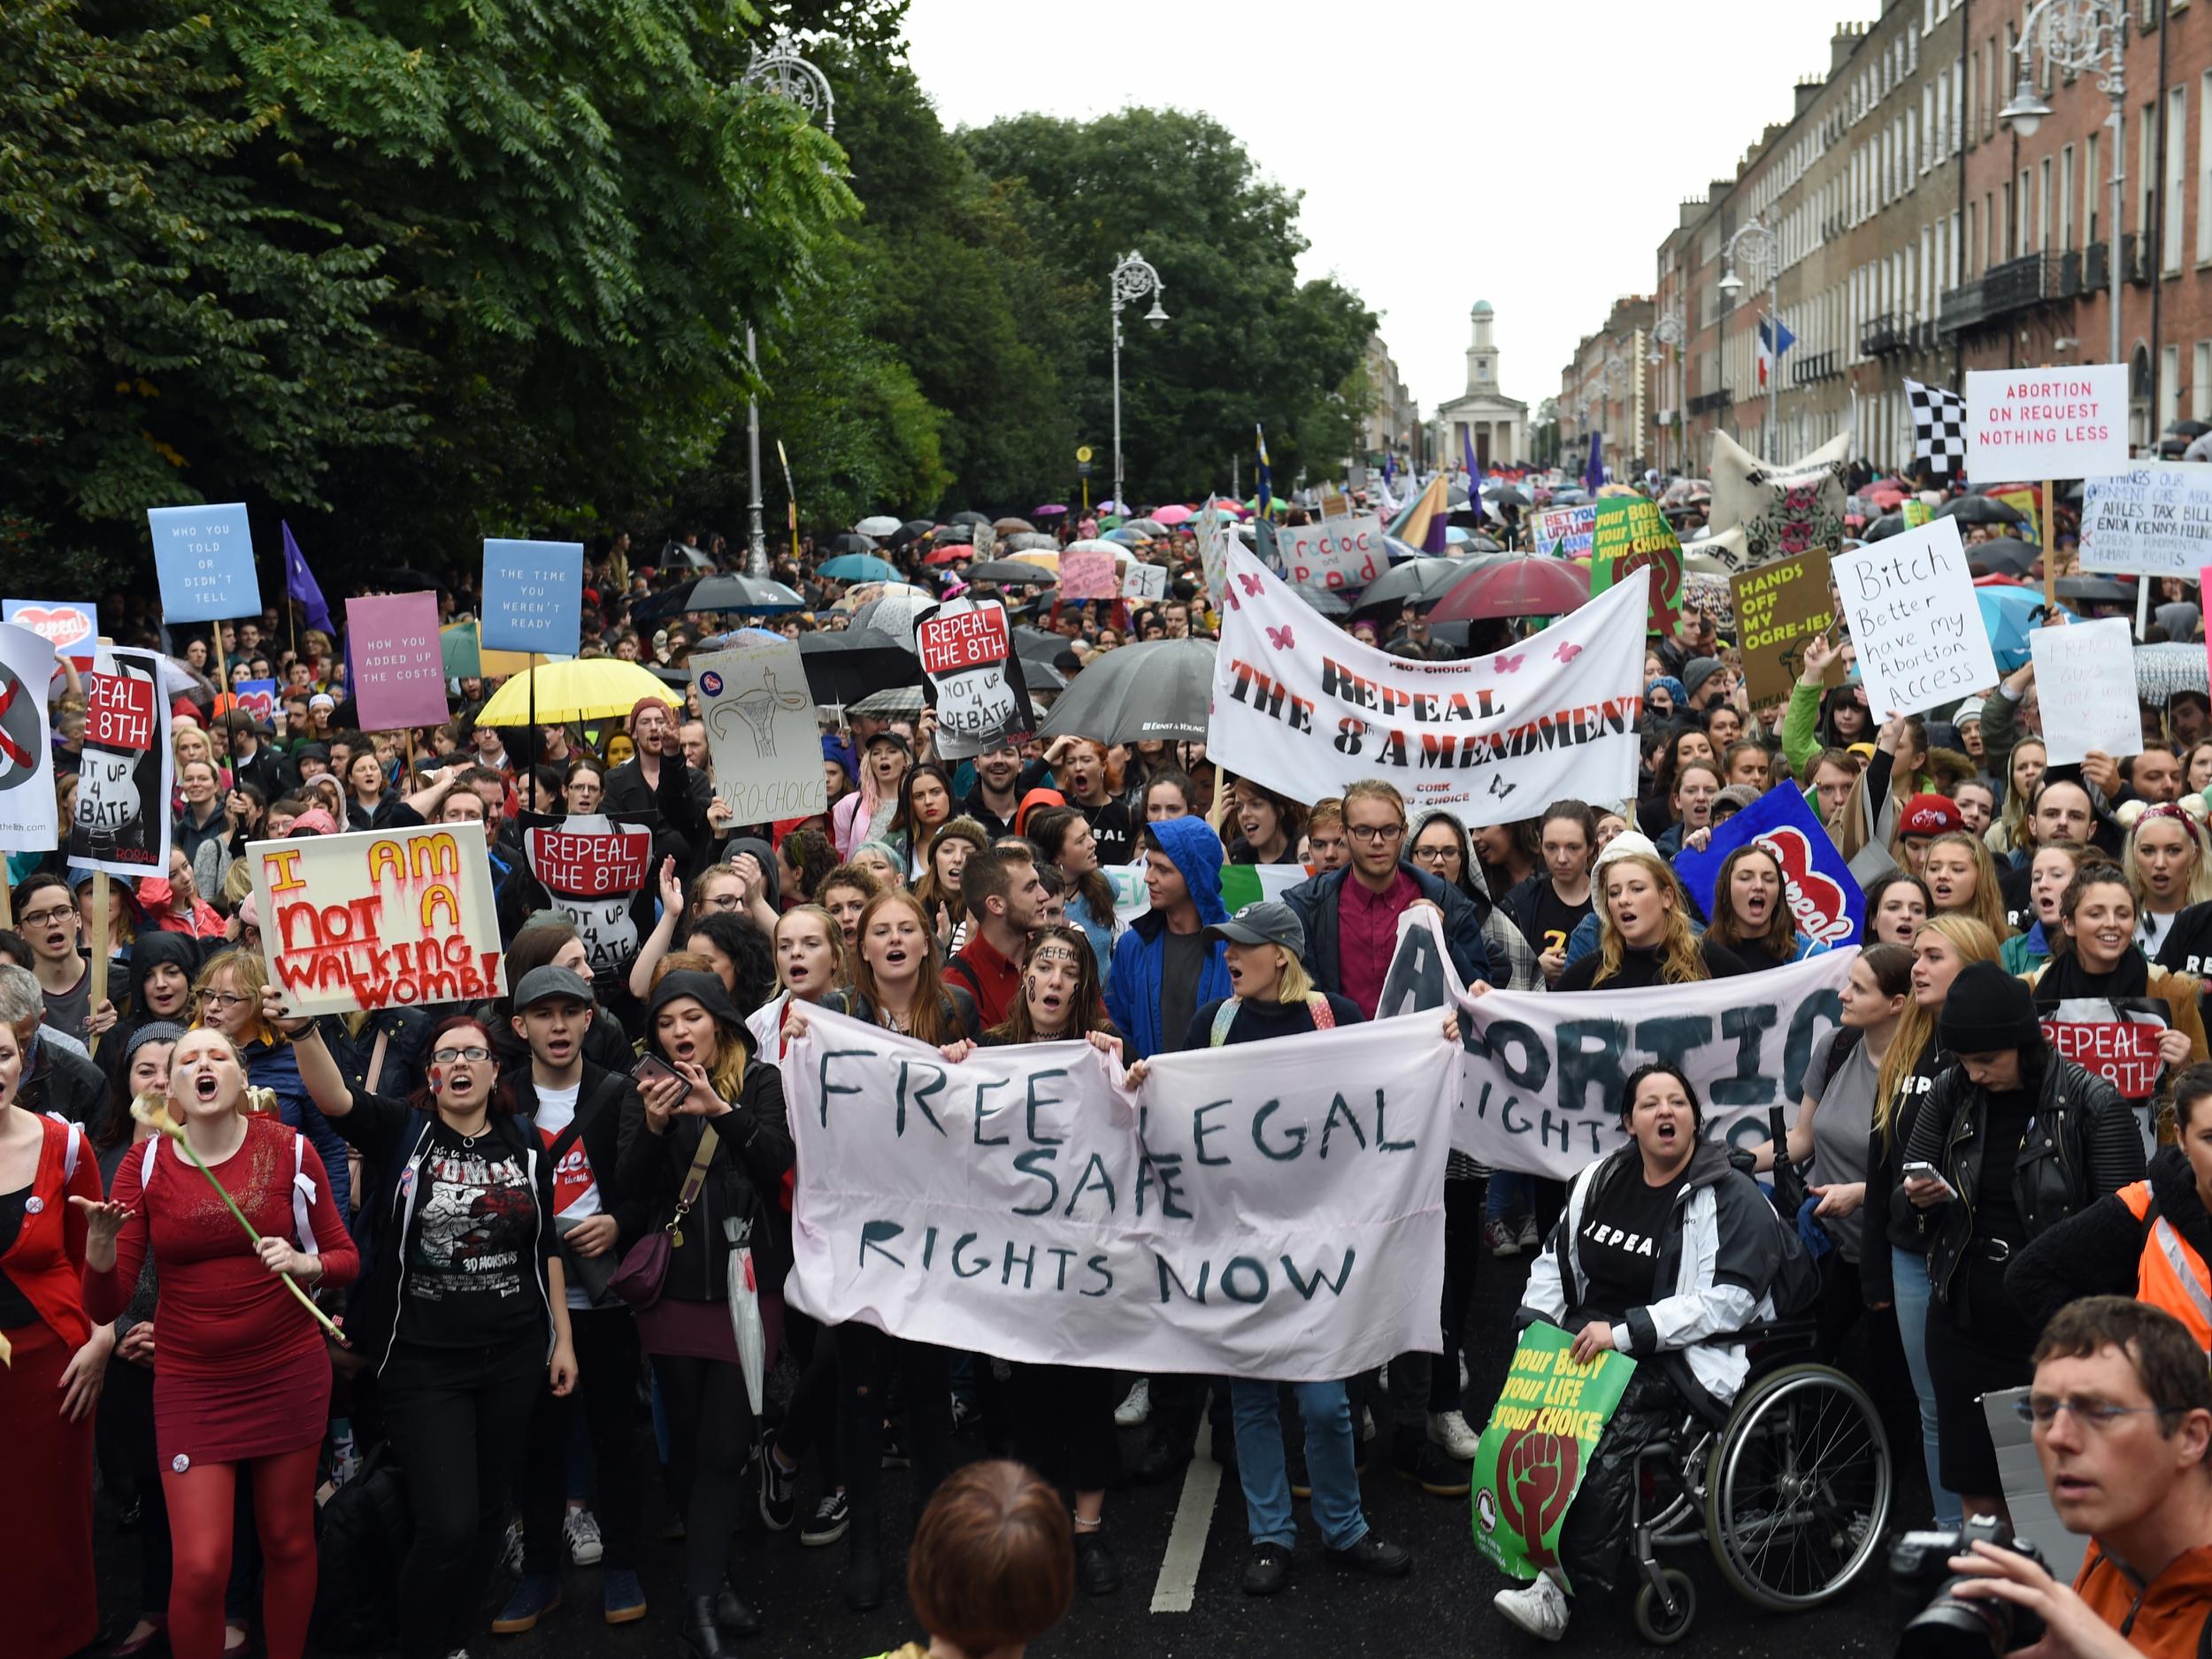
2075 35
1668 332
1133 279
784 72
1760 248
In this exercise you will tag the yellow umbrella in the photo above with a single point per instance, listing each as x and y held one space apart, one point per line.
588 688
1040 557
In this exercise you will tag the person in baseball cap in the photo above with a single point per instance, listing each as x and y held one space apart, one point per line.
1272 996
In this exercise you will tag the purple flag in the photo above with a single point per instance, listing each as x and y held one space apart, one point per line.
1593 474
299 583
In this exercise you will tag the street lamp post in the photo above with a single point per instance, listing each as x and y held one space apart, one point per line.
1617 385
2075 35
784 72
1760 250
1668 332
1133 278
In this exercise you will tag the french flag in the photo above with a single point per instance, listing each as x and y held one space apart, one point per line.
1775 338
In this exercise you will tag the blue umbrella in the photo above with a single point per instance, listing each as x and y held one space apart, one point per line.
860 567
2010 614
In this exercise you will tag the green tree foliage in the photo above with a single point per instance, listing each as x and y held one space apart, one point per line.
1247 341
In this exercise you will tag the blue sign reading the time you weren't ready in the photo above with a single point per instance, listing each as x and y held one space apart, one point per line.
534 596
204 556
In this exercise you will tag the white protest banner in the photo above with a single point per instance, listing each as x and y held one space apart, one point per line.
1566 532
761 731
27 756
380 919
121 823
2035 424
594 870
1253 1211
2150 520
967 651
1303 708
2085 678
1335 553
1216 539
1914 617
1141 580
1540 1091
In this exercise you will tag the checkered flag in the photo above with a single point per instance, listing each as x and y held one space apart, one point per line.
1939 426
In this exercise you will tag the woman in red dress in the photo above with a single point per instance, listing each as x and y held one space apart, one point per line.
243 1385
49 1386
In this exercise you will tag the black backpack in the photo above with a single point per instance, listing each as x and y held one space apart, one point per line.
362 1534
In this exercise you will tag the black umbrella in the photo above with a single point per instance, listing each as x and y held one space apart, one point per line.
677 553
2005 557
849 665
1161 690
1421 582
2095 588
717 593
1010 573
850 542
918 527
1330 602
1035 645
1888 524
968 519
2190 428
1980 509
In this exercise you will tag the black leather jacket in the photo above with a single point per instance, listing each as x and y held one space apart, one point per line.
2082 1144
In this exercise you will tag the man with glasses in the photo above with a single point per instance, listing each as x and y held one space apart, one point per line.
46 915
1350 916
2122 1412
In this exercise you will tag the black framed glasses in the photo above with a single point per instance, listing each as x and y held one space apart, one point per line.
454 1056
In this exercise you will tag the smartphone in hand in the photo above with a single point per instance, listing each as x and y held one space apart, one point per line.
1929 1172
652 1068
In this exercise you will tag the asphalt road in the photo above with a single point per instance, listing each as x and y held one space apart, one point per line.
1442 1607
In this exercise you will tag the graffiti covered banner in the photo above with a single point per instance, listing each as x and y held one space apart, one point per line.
378 920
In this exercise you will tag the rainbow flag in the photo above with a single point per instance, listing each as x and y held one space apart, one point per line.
1421 523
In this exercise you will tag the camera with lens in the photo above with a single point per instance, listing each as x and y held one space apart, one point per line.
1949 1626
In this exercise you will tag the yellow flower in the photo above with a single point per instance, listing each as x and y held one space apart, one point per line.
153 1112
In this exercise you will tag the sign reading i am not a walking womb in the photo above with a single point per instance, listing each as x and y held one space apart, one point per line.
1273 1211
1914 617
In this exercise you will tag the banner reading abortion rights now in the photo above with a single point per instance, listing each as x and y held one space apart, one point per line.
1271 1210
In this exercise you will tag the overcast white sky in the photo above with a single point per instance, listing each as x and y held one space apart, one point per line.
1532 155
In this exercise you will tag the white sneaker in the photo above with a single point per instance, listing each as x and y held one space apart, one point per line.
1539 1609
1450 1429
581 1530
1135 1411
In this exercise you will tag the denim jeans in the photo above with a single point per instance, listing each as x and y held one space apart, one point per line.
1331 1464
1909 1272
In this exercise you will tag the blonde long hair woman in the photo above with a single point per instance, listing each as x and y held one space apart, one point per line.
1962 879
2168 859
1644 936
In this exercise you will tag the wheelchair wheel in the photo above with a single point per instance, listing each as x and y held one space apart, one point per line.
1798 1493
1650 1613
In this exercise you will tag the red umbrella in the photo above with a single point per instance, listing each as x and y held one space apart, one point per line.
1524 586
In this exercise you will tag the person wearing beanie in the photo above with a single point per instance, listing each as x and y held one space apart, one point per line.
1919 821
1664 698
1966 720
2013 1139
1706 681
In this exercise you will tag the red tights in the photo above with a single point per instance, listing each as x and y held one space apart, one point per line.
200 1508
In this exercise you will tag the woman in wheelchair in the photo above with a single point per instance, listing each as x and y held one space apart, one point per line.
1663 1246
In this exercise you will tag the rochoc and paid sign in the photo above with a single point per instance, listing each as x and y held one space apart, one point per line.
1336 553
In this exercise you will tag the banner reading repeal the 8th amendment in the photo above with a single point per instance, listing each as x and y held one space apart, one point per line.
1303 708
1273 1210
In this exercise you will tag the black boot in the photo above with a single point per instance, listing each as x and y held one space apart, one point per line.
736 1617
863 1566
701 1637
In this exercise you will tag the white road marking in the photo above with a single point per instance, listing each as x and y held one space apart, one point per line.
1177 1584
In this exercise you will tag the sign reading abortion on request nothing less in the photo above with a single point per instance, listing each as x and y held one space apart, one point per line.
205 557
381 918
1271 1211
534 596
1914 617
2028 424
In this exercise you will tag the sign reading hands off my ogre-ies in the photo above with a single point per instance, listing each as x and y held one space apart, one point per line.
1271 1210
